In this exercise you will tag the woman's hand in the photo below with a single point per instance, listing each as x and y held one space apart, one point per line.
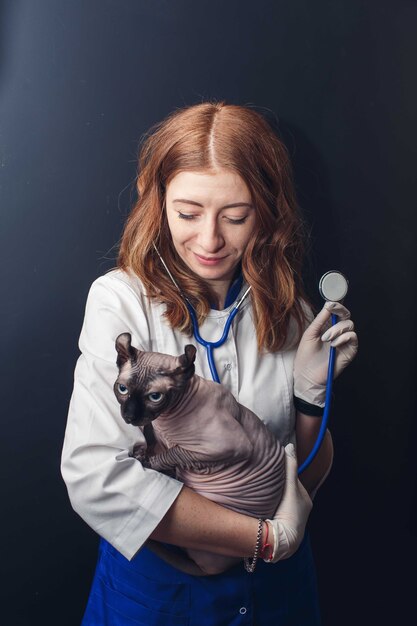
312 358
290 519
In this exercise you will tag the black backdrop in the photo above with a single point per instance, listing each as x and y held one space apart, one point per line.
79 83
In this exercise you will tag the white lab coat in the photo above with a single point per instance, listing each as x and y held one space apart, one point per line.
110 490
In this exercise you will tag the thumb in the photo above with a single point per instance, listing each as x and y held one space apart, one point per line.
291 465
290 450
314 330
293 487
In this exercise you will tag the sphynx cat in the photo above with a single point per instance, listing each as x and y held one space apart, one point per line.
197 431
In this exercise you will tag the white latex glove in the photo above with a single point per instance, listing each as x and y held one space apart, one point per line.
291 516
312 358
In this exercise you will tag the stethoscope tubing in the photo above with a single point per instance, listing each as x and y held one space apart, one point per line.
211 345
326 413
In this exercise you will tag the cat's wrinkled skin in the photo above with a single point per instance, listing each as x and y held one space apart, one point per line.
201 435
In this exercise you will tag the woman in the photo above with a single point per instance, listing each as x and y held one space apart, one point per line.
215 213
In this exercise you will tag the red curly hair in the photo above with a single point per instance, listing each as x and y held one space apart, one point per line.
206 137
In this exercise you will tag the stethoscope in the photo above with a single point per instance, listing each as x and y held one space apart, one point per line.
208 345
333 287
211 345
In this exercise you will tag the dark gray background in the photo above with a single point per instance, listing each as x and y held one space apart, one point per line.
80 81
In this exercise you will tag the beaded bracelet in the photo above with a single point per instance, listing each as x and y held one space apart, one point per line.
265 546
248 563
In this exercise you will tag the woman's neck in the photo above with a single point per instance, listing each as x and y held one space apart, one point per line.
226 291
220 290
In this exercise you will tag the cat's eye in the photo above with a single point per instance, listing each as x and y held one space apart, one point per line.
155 396
122 389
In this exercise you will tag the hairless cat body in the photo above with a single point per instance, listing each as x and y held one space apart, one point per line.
196 428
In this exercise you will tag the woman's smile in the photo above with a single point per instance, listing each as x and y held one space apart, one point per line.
214 260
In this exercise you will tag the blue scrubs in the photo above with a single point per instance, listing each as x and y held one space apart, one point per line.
146 591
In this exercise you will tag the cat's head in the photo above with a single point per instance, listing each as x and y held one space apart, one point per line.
149 383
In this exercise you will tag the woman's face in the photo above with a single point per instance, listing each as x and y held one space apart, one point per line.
211 218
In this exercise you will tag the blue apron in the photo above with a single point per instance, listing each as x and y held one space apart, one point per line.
146 591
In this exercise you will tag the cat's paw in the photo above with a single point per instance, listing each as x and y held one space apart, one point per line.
140 452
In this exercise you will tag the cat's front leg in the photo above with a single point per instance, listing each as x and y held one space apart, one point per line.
175 457
140 453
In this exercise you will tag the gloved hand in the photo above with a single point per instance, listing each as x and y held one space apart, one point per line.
290 519
312 358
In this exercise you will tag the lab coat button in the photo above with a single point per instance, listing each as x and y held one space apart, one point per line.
228 367
243 610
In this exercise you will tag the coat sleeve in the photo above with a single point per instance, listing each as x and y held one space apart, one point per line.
112 492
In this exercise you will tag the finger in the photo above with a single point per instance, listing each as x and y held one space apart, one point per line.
290 450
290 463
316 327
348 338
337 308
338 329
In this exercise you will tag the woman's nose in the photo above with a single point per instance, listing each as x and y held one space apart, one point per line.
210 236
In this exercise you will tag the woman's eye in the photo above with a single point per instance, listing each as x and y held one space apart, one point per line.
229 220
122 389
186 216
155 397
240 220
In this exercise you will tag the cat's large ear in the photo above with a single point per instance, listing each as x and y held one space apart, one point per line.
186 367
125 350
189 353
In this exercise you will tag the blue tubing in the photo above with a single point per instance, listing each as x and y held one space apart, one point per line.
213 370
325 418
210 345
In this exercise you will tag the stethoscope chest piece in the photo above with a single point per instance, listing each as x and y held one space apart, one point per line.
333 286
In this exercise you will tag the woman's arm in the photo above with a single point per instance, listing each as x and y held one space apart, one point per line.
110 490
307 429
197 523
184 525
